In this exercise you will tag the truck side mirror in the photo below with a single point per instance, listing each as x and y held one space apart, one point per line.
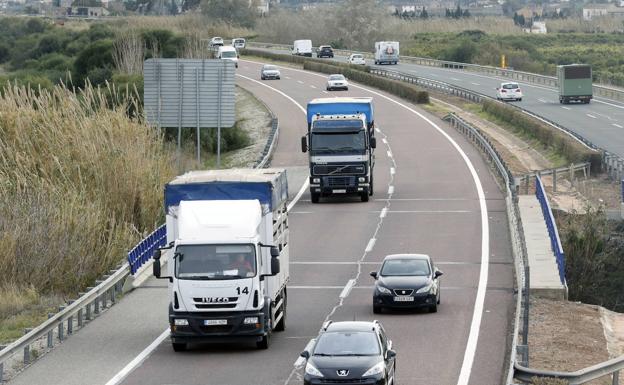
274 252
304 144
373 143
156 264
275 266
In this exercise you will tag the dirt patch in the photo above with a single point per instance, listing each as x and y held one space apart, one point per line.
566 336
614 331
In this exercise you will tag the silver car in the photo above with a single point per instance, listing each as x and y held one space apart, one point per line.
337 82
269 71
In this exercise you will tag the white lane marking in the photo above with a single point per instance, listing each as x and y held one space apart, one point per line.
425 199
542 100
429 211
389 154
390 190
325 92
300 361
591 116
383 212
384 140
617 125
333 263
475 324
138 360
287 77
377 129
301 212
392 171
299 81
566 108
331 287
311 86
347 289
457 80
371 244
475 84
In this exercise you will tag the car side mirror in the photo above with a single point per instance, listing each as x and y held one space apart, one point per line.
373 142
373 274
274 252
437 274
305 354
275 266
304 144
390 354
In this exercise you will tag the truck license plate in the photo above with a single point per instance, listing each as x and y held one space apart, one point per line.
339 191
403 299
213 322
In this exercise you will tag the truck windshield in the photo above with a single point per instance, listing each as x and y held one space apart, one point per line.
215 262
338 142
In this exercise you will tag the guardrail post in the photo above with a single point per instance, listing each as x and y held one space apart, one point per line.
50 334
27 349
1 366
554 180
79 317
616 378
88 315
572 175
70 321
61 327
526 184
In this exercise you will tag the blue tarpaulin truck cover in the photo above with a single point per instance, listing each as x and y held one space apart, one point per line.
342 106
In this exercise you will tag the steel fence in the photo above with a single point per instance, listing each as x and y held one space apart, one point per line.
143 251
553 232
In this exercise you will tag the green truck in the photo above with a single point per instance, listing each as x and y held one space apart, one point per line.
575 83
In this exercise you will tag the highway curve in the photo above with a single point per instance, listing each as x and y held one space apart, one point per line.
427 201
601 121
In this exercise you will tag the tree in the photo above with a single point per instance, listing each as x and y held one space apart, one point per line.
458 12
233 12
359 23
424 14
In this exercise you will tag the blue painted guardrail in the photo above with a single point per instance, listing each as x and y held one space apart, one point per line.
143 251
553 233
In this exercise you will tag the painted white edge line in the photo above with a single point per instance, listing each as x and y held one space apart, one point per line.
392 171
566 108
370 245
138 360
616 125
347 289
383 212
390 190
591 116
475 325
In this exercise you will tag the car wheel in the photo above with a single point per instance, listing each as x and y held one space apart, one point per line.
315 197
178 346
346 88
520 99
377 309
261 77
278 78
433 308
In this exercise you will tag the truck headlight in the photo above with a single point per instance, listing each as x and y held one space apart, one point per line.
316 180
362 179
180 322
250 320
425 289
311 370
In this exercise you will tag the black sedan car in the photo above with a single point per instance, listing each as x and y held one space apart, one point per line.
325 51
406 281
350 353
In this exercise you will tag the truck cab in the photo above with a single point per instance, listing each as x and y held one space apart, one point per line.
340 143
227 52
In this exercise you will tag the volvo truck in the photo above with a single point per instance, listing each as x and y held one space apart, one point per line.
340 142
227 256
575 83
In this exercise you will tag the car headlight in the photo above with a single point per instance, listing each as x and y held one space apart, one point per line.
311 370
250 320
316 180
425 289
180 322
384 290
375 370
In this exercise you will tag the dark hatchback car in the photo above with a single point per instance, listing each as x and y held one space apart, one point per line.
325 51
350 353
406 281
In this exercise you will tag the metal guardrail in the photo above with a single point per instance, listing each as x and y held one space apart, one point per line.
553 232
571 170
143 251
549 81
519 350
583 376
270 145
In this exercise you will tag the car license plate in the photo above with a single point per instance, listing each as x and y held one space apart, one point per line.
213 322
403 299
340 191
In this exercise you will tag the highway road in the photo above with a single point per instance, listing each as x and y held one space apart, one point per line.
601 121
434 194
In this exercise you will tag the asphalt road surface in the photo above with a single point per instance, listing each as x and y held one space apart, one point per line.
430 197
601 121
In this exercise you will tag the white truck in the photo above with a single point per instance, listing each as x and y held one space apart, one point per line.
227 256
387 52
238 43
227 52
302 48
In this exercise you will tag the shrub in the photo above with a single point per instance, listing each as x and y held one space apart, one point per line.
98 55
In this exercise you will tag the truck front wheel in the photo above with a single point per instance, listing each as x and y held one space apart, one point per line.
315 197
266 339
178 346
364 196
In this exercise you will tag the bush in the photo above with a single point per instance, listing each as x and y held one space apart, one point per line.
549 136
94 57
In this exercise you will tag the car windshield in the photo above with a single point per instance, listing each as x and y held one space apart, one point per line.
207 262
510 86
269 68
336 77
333 143
228 54
347 344
357 56
405 267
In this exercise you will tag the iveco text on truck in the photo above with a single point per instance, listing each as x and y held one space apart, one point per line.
575 83
227 256
340 141
387 52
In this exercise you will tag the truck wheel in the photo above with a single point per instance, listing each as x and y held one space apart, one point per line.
178 346
281 325
265 342
315 197
364 196
370 188
376 309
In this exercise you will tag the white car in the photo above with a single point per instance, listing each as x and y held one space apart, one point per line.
216 41
509 91
356 58
337 82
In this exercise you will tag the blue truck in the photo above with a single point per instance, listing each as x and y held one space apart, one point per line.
340 142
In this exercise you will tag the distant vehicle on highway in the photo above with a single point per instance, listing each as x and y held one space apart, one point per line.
270 71
575 83
302 48
238 43
350 353
337 82
406 281
356 58
227 52
387 52
216 41
509 91
325 51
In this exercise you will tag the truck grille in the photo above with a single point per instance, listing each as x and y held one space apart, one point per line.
340 181
337 169
215 306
